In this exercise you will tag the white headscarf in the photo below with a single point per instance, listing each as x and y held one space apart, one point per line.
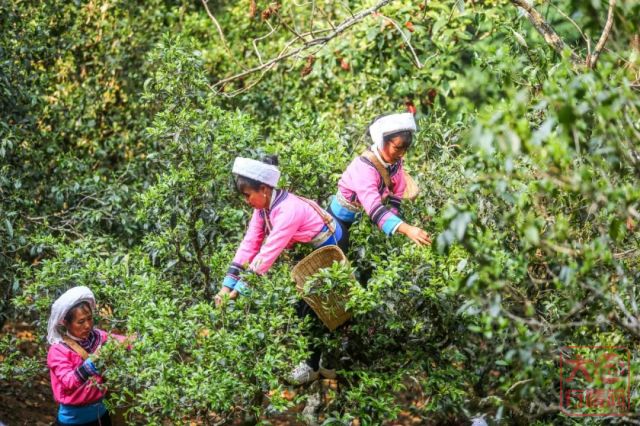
61 307
390 124
257 170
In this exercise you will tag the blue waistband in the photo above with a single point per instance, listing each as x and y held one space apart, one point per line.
341 212
333 239
78 414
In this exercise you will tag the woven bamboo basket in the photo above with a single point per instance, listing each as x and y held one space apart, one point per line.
330 309
412 190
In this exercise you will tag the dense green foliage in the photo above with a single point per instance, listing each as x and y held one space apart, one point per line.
115 155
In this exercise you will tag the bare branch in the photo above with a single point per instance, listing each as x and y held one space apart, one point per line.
546 31
215 22
291 29
255 40
246 88
219 28
406 39
592 60
345 25
327 17
567 17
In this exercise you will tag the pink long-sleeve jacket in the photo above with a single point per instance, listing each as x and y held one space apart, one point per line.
361 185
289 220
67 383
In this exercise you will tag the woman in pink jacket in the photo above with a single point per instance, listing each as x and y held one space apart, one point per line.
76 381
280 219
362 185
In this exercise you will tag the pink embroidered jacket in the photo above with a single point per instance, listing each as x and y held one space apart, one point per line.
71 382
289 220
361 185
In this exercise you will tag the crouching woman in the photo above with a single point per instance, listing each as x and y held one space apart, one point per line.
75 344
280 220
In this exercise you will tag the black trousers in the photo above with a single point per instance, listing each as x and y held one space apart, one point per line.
303 310
343 242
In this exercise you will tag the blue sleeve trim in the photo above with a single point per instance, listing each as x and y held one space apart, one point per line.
391 224
242 288
91 366
83 373
229 282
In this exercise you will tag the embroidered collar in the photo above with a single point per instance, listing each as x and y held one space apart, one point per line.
274 195
91 343
276 198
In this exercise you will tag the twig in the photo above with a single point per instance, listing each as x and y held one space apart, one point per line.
215 22
313 15
630 323
291 29
630 421
592 60
513 386
546 31
219 28
560 249
244 89
624 254
255 40
585 38
327 17
314 42
406 39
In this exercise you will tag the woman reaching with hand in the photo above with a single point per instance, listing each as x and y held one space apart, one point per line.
75 344
377 176
280 219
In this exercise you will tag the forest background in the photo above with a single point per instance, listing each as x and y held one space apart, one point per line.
119 124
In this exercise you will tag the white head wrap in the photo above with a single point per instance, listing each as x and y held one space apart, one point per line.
257 170
390 124
61 307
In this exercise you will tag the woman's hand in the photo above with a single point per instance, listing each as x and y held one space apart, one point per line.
129 339
415 234
224 291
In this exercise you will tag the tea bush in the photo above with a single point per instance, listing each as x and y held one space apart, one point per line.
116 157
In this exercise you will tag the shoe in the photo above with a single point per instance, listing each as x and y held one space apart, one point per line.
302 374
327 373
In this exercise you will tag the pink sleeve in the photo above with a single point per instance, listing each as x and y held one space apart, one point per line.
63 368
120 338
106 336
369 197
285 223
399 184
250 245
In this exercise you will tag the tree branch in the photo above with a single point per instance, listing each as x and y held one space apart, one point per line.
205 3
215 22
567 17
345 25
406 40
546 31
592 60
